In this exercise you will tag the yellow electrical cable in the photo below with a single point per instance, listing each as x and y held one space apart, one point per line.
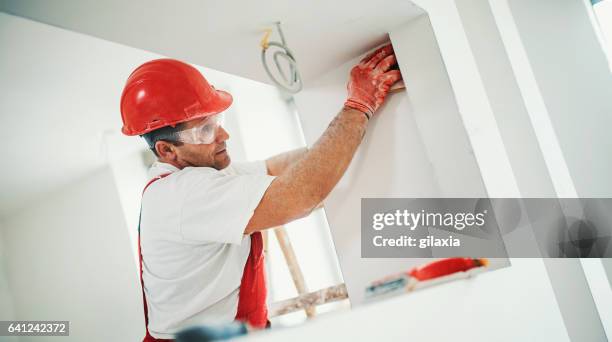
264 40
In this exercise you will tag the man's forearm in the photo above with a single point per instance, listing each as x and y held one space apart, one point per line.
306 182
315 174
279 163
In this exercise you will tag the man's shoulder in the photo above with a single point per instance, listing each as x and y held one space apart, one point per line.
246 168
235 168
205 178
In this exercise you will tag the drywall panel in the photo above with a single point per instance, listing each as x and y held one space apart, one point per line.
474 106
415 146
432 104
412 136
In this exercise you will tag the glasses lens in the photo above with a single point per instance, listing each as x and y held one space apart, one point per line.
205 133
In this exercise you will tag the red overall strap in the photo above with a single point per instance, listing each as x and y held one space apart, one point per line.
252 306
148 337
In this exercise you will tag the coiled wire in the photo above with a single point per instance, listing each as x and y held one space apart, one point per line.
291 83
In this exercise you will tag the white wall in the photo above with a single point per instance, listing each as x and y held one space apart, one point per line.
599 283
508 108
7 310
69 258
563 60
601 16
516 162
6 298
562 73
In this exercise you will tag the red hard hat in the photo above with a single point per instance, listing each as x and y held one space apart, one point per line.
166 92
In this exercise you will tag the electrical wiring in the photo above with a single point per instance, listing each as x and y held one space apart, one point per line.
291 83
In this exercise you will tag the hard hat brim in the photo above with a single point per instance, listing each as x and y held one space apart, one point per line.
222 102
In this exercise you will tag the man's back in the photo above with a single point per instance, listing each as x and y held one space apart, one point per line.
193 243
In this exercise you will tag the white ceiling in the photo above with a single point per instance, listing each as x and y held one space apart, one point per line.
59 91
225 35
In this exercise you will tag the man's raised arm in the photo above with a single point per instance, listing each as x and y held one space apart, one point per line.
302 185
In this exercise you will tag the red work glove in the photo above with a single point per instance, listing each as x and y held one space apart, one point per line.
371 79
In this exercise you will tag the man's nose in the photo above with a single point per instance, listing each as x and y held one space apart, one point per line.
222 134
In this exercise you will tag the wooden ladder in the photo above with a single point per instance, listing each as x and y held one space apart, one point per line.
305 300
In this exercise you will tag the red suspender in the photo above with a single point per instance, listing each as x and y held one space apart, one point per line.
252 306
148 337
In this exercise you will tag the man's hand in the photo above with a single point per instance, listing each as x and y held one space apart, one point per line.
371 79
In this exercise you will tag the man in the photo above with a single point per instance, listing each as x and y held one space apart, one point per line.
201 218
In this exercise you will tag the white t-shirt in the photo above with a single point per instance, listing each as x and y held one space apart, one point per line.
193 243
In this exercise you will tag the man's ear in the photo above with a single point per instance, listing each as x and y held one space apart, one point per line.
165 150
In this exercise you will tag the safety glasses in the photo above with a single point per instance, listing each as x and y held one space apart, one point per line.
204 133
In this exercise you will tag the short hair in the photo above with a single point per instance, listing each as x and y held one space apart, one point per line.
167 133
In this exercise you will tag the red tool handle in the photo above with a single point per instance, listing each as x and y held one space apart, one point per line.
445 267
